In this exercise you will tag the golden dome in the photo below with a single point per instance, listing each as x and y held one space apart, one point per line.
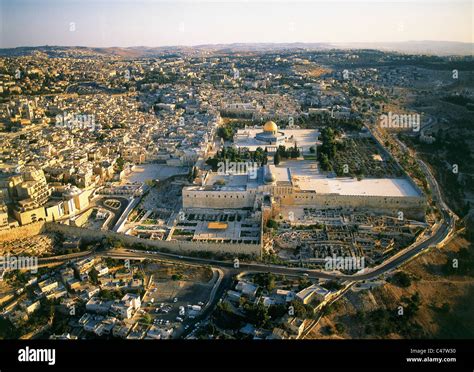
270 126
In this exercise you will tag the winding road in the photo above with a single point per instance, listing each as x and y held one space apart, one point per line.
442 231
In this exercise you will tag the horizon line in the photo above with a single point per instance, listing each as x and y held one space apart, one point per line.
241 43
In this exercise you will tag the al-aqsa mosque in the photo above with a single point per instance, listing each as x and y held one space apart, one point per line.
298 183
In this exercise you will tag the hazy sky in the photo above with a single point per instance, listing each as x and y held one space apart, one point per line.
191 22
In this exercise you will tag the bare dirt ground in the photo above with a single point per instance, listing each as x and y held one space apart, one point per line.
175 286
446 301
39 245
312 70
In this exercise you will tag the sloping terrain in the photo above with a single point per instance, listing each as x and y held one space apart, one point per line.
435 300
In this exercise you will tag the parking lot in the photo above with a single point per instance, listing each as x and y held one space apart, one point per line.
177 294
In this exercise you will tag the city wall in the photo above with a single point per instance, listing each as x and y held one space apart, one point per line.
21 232
412 207
174 246
218 199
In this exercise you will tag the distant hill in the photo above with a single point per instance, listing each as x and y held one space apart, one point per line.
442 48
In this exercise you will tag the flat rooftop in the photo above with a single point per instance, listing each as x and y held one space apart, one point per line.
306 175
282 174
397 187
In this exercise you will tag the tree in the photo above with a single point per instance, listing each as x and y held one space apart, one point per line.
147 318
332 285
303 282
470 226
325 163
272 224
120 163
257 314
294 152
224 306
226 133
340 328
94 276
265 280
301 310
329 330
242 301
193 173
277 158
282 151
401 279
277 311
213 163
328 147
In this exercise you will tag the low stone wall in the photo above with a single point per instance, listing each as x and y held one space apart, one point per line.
217 199
64 257
412 207
82 218
25 231
174 246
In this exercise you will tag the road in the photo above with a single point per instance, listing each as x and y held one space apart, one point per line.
440 233
223 282
406 255
311 324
